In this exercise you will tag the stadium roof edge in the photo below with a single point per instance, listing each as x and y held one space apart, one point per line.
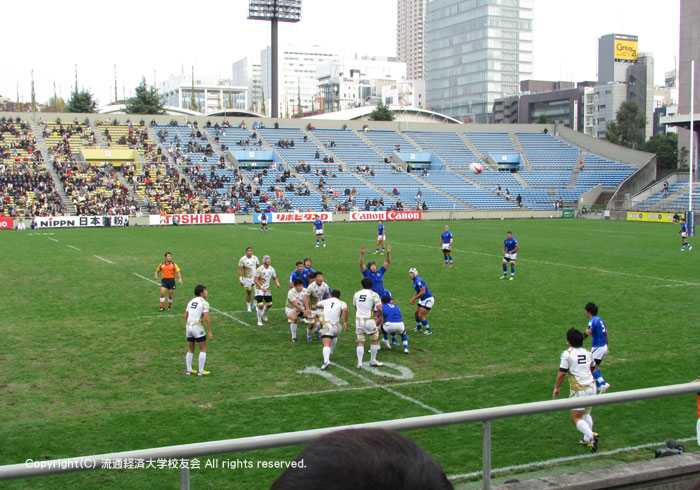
174 111
364 111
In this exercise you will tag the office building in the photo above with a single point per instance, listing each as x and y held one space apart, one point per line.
476 52
246 73
204 94
410 36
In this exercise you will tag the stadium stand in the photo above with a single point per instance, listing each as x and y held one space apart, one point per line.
491 142
348 146
390 141
546 152
447 146
294 146
26 188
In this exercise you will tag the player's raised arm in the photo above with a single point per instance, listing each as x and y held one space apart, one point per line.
388 257
362 259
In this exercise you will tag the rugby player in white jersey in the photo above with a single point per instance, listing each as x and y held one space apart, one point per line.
196 311
315 292
263 277
294 308
366 303
333 309
577 363
247 266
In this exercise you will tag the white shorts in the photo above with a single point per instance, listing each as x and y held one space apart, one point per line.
446 247
510 257
381 238
194 331
319 232
287 311
330 330
426 303
248 283
365 326
162 220
581 393
599 353
392 327
684 234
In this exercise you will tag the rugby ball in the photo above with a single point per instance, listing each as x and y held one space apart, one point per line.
476 168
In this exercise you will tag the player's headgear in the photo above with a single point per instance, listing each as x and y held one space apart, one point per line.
414 270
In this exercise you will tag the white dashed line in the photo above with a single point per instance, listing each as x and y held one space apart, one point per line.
102 258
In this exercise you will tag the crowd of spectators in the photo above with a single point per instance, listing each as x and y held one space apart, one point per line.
26 188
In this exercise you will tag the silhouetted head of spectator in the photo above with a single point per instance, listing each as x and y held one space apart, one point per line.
363 459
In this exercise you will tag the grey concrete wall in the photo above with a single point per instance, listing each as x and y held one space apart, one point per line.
589 198
604 148
634 184
671 473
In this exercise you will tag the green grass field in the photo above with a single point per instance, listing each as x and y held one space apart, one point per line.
91 367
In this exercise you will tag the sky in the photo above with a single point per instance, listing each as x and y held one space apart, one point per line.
156 39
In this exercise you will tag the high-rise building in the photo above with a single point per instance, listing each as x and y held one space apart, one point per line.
298 80
410 36
640 89
689 50
616 52
476 52
246 73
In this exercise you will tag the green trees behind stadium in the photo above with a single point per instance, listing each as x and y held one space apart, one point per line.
146 100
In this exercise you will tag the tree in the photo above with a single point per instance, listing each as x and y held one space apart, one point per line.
542 119
55 104
146 100
628 127
665 146
381 113
683 157
82 101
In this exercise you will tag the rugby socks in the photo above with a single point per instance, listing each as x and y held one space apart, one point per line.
386 336
583 426
598 376
373 352
360 355
445 257
450 259
264 312
317 242
259 313
589 420
308 333
170 303
425 324
188 361
293 328
162 301
202 360
326 354
404 338
505 270
512 272
393 337
248 305
376 250
335 341
418 325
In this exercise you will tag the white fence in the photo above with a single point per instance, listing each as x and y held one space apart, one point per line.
183 453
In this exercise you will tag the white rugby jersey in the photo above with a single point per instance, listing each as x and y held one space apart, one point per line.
332 310
249 265
578 362
366 301
265 274
316 293
294 295
195 309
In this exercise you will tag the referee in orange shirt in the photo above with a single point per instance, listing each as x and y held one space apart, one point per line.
167 269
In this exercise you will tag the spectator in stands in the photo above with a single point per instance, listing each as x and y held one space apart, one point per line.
519 200
507 193
419 194
665 189
425 206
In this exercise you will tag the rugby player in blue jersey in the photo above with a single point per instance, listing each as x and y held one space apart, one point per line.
318 230
684 236
425 301
381 237
446 243
510 254
393 322
599 346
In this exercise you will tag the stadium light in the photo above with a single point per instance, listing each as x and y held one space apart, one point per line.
275 11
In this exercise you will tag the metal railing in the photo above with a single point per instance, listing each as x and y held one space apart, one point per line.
186 452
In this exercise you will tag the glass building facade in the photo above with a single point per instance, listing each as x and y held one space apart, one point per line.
477 51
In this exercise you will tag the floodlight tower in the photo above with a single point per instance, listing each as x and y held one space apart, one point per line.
274 11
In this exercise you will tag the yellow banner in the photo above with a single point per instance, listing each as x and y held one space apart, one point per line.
653 217
625 50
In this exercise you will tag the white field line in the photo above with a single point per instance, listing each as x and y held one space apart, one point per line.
570 266
674 285
102 258
232 317
165 316
74 248
389 390
371 387
52 239
565 459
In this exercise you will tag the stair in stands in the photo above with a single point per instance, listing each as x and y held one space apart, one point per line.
519 148
413 142
437 189
524 183
470 145
465 176
132 191
101 142
372 145
41 144
325 148
576 170
154 137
